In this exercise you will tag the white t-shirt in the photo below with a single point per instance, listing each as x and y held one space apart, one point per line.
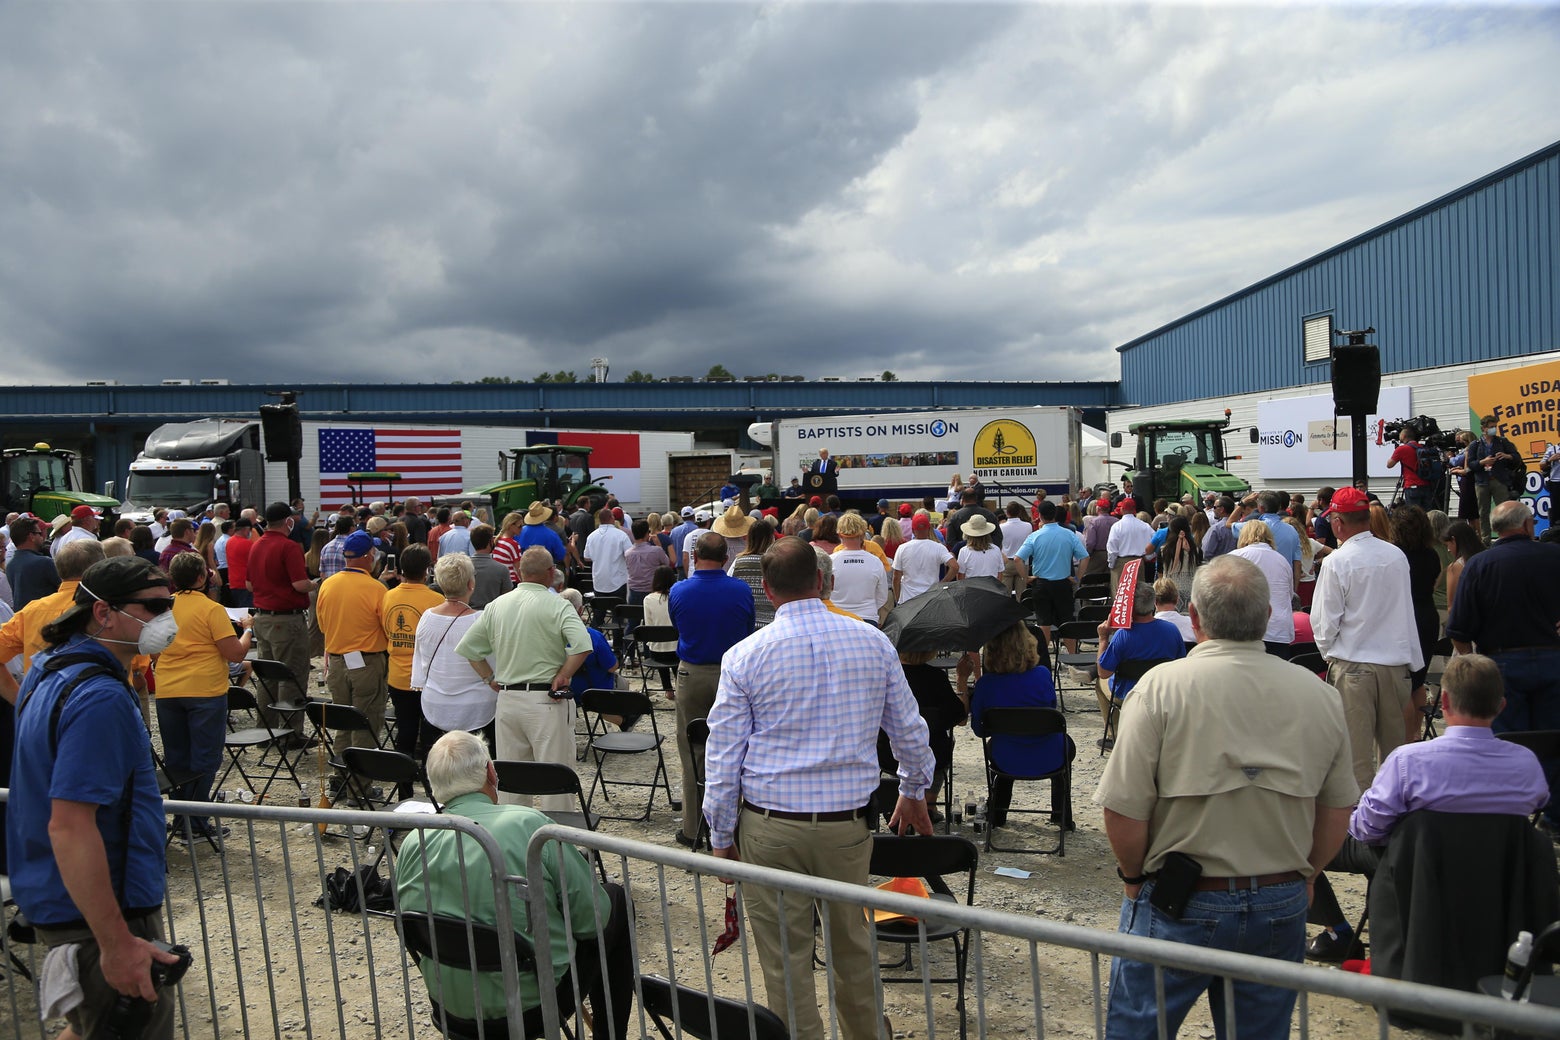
919 563
607 550
1014 532
1280 575
453 694
860 583
986 563
1179 620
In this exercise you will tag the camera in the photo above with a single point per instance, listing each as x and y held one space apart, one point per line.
130 1016
1429 430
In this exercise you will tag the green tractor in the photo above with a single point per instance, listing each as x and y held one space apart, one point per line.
546 471
41 480
1177 457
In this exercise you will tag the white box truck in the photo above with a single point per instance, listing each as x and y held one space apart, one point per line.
904 456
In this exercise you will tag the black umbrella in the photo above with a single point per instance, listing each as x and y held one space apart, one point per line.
958 615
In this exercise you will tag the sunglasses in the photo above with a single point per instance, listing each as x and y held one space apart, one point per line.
154 606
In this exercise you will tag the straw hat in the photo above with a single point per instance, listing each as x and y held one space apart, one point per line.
733 523
539 513
977 527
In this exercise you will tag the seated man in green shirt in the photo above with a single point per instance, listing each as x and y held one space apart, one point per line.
444 872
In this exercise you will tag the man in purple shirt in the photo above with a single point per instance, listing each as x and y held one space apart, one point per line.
1466 770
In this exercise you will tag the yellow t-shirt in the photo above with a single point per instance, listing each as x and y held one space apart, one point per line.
403 608
350 609
193 666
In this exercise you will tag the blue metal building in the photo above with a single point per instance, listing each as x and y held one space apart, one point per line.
1469 277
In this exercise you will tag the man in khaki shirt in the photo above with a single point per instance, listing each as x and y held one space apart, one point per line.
1239 761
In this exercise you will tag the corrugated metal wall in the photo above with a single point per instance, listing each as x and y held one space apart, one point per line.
1468 277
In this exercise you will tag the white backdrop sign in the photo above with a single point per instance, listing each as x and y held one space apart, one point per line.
1300 438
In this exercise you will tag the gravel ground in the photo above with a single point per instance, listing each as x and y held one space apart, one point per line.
250 918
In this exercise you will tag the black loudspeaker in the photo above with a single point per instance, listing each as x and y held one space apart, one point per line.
283 432
1356 379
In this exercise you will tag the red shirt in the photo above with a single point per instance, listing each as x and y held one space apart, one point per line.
275 562
1407 456
238 550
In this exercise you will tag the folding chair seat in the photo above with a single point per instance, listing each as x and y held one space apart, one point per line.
239 741
934 859
1296 649
1087 635
455 942
622 619
679 1011
601 608
389 769
1131 671
1094 613
998 723
545 778
1312 662
649 660
1096 578
604 743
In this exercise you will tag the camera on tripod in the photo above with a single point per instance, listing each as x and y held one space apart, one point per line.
1427 428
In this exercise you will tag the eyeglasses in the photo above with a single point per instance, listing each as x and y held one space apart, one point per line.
154 606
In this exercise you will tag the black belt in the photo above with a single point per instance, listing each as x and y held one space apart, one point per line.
808 817
536 686
297 610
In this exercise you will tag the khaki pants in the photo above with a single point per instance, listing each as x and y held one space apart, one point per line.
1374 698
696 684
1489 495
91 1017
284 638
532 727
838 851
363 688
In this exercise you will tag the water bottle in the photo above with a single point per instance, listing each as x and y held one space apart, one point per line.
969 804
303 796
1517 966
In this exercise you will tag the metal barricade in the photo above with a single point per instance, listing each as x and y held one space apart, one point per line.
1000 1008
269 962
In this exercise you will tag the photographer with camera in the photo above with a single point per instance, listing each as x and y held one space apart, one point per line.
86 827
1417 490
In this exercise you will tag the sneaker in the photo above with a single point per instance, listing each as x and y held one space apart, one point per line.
685 841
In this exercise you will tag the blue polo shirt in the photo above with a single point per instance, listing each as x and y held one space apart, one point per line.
713 612
544 536
596 672
1051 551
1285 538
104 757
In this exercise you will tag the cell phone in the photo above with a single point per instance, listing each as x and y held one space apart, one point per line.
390 562
1174 884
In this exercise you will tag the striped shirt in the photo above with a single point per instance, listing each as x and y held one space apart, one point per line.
796 717
507 552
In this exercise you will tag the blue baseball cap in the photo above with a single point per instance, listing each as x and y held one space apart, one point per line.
359 544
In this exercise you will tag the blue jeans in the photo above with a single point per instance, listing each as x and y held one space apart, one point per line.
1269 922
1532 702
193 732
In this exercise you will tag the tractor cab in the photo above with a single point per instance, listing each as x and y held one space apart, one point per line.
545 471
41 480
1176 457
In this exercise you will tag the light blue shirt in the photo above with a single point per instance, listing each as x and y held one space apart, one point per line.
1285 539
1051 552
795 722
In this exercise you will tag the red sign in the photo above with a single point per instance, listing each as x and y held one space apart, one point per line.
1121 607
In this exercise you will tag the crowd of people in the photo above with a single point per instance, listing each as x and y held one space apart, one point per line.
483 632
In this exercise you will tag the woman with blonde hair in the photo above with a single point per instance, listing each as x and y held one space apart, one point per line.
1256 544
891 536
955 493
1010 674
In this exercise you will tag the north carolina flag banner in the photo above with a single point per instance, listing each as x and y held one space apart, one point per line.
428 461
614 462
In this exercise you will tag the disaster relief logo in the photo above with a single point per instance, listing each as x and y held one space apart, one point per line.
1005 448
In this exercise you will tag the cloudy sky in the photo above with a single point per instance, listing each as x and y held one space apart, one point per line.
418 192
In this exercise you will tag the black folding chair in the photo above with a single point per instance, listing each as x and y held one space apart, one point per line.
550 778
604 743
238 741
933 859
1131 671
1312 662
679 1011
455 942
997 723
649 659
698 733
329 722
1545 743
622 620
1087 635
272 675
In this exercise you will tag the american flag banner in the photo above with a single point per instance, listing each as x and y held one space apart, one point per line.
429 462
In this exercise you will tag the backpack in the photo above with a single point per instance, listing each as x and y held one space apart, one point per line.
1429 464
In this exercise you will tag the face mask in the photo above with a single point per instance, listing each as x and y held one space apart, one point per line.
157 634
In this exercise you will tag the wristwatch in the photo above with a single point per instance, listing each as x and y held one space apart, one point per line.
1130 880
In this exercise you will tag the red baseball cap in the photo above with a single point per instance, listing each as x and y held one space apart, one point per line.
922 522
1127 505
1103 505
1348 500
906 509
85 513
815 501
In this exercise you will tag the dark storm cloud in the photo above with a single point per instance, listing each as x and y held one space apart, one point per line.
428 192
